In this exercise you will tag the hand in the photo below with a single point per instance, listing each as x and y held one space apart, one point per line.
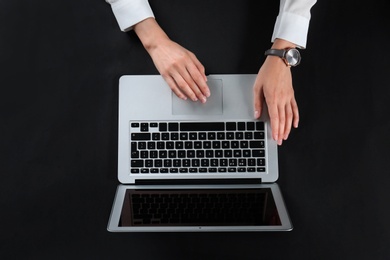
179 67
274 85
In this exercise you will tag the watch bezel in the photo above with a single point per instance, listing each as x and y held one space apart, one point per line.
290 58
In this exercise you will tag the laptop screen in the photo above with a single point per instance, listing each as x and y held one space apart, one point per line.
199 207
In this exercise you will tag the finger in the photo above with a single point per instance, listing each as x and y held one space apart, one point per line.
289 119
198 79
295 112
184 87
274 118
282 123
199 66
172 84
258 98
193 86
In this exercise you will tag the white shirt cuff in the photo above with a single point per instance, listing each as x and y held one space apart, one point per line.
292 28
130 12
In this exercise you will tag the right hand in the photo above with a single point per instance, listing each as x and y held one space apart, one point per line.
179 67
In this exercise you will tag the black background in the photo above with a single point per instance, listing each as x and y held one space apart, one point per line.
60 64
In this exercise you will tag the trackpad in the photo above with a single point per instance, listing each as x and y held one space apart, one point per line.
213 106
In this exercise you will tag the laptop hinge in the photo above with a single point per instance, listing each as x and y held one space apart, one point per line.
197 181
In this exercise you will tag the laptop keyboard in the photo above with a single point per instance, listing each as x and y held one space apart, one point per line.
197 147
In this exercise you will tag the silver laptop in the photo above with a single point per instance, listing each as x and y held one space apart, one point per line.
188 166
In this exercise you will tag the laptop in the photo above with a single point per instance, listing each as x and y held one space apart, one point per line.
184 166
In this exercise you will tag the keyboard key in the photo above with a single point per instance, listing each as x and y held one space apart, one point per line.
151 145
177 163
183 170
231 126
258 135
174 127
140 136
179 145
144 154
260 162
141 145
158 163
258 153
149 163
195 126
211 136
162 127
137 163
256 144
144 127
232 162
250 126
248 135
244 144
186 163
230 135
259 125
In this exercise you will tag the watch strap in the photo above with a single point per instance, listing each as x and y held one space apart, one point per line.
275 52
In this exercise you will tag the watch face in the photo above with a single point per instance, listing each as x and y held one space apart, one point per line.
293 57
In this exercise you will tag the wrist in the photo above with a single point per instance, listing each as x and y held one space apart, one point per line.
150 33
286 51
282 44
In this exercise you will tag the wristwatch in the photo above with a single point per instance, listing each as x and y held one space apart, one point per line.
290 56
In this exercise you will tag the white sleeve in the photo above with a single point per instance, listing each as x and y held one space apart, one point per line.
292 23
130 12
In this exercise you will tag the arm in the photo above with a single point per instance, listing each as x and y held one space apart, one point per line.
179 67
274 80
130 12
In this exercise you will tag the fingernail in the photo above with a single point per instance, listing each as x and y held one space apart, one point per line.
276 137
194 99
184 98
285 137
280 142
207 93
256 114
204 99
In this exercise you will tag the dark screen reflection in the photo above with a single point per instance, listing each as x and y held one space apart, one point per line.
217 207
